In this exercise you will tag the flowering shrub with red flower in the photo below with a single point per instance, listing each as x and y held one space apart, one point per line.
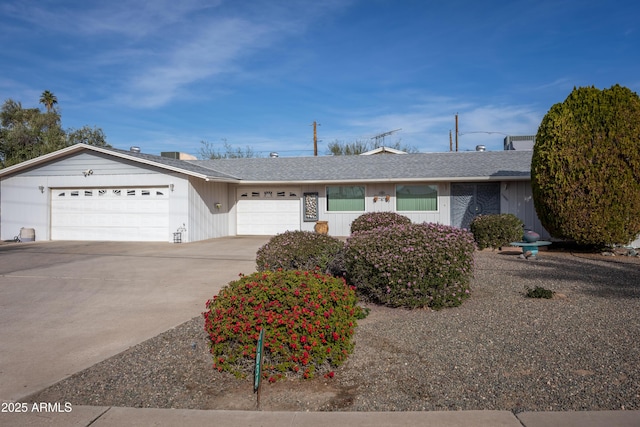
414 265
309 320
372 220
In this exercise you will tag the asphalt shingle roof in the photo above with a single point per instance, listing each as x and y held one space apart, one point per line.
449 166
428 166
176 163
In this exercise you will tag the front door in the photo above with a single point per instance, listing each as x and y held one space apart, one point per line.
471 199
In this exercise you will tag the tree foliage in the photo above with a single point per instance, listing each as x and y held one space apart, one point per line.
26 133
49 100
585 171
209 150
341 148
87 135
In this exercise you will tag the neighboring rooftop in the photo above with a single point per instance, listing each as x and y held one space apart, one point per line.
383 150
522 142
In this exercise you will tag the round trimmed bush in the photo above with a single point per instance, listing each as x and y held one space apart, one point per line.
298 250
585 169
414 265
373 220
496 231
309 320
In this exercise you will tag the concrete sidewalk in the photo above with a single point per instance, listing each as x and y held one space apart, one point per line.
84 416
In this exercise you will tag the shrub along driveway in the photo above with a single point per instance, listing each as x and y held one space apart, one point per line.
65 306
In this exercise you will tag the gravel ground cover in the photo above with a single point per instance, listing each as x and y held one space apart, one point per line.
499 350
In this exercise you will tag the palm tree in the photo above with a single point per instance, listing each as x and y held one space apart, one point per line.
48 99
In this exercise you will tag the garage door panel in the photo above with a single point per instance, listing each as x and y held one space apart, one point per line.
260 215
139 214
274 208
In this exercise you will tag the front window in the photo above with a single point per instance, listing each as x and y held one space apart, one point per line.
416 198
345 198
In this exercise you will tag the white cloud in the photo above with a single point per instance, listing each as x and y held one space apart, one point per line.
209 46
211 51
148 53
510 119
129 18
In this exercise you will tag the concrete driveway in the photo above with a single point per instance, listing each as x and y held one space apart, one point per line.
65 306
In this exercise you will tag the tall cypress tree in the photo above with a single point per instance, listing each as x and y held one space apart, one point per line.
585 171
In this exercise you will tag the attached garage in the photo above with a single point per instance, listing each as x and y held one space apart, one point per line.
90 193
268 211
115 214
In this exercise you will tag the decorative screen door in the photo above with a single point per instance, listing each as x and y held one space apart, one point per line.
472 199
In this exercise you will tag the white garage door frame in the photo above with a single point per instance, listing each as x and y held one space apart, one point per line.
268 211
110 214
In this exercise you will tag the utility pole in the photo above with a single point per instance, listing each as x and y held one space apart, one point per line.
450 141
315 138
456 131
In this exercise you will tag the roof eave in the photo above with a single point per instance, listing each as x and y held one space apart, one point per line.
79 147
219 179
39 160
155 164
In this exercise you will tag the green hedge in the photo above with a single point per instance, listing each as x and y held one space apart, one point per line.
299 250
496 231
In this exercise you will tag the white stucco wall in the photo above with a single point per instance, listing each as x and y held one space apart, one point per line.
206 220
340 222
24 205
516 198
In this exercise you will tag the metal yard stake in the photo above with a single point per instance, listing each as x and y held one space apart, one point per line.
258 368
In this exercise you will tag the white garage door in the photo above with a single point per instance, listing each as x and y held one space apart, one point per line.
268 211
122 214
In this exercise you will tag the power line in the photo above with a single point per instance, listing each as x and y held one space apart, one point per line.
487 132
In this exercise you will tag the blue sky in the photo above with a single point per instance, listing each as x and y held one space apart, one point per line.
165 75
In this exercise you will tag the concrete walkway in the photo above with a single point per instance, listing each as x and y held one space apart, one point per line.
65 306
